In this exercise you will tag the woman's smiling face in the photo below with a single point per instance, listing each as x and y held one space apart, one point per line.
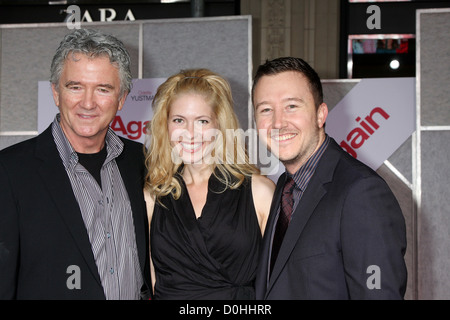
192 128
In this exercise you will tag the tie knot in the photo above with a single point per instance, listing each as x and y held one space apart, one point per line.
288 185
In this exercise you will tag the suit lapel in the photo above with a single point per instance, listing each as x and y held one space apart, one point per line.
313 194
55 179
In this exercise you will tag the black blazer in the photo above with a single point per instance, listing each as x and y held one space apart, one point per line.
42 232
346 225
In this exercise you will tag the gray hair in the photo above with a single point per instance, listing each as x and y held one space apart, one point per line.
93 44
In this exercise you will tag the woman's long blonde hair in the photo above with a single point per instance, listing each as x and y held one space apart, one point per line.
233 161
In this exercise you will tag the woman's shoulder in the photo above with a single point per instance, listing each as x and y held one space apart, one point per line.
262 190
262 183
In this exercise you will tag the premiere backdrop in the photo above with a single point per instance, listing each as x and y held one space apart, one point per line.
158 48
399 127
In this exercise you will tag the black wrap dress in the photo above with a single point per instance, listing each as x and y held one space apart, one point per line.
212 257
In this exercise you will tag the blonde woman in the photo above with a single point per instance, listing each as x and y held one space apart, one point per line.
207 204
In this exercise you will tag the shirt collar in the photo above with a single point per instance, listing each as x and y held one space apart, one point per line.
304 174
114 146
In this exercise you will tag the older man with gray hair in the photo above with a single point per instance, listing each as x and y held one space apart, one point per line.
73 223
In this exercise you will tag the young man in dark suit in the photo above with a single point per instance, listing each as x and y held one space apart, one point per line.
336 230
73 222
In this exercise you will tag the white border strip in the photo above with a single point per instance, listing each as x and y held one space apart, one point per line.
416 172
141 51
250 73
434 128
106 23
399 175
19 133
253 139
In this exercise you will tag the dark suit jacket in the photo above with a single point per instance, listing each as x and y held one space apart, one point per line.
42 231
346 225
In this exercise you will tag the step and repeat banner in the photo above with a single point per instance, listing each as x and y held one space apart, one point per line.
217 43
374 119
